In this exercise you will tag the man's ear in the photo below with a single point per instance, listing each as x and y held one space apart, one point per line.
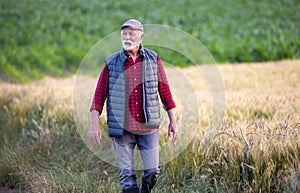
142 36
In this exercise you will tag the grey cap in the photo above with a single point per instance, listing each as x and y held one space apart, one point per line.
133 24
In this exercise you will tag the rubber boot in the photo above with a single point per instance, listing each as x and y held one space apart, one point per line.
144 188
133 190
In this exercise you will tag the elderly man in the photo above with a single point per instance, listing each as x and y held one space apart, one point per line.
130 82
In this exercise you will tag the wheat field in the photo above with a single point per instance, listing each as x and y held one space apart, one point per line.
255 147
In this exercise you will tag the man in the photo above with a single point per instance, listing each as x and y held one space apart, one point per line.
130 81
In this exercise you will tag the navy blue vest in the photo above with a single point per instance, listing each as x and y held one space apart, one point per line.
116 104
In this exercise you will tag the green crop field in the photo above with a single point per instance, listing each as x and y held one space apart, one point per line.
44 37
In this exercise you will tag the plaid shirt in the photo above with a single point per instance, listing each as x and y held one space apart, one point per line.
135 116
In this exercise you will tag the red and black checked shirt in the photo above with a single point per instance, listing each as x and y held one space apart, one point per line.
134 92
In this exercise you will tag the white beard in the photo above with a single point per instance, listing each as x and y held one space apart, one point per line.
129 45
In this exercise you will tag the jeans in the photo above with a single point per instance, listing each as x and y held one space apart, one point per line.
148 145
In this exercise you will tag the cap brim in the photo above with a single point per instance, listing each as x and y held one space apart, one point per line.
134 28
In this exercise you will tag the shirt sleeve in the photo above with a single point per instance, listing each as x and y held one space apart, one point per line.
101 91
164 88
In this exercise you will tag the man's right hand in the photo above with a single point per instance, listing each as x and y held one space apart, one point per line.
95 134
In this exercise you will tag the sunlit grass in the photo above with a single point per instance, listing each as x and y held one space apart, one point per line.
256 149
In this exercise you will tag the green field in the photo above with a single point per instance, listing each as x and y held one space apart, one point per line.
44 37
255 149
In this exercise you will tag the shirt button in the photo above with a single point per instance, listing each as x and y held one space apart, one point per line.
137 115
135 90
136 103
135 79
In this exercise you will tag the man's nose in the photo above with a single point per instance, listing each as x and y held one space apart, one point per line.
126 36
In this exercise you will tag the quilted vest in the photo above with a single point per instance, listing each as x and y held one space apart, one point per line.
116 104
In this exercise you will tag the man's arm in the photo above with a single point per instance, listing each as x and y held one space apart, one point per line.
95 134
172 125
101 91
167 99
100 95
163 87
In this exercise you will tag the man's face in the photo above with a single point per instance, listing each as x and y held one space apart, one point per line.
131 38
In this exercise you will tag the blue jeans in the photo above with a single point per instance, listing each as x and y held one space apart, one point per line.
148 145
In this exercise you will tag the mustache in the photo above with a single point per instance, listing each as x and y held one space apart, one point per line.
129 45
128 41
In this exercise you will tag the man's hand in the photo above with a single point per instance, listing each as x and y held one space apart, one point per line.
172 126
95 134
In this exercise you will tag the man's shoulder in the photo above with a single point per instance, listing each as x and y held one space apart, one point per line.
151 52
119 54
112 56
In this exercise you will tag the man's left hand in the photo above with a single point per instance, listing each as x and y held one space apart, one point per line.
173 129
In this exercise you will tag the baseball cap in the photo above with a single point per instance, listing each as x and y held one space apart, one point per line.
134 24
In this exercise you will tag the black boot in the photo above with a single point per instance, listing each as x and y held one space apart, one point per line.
149 180
144 188
132 190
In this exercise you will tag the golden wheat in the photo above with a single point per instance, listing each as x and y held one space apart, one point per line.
257 145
